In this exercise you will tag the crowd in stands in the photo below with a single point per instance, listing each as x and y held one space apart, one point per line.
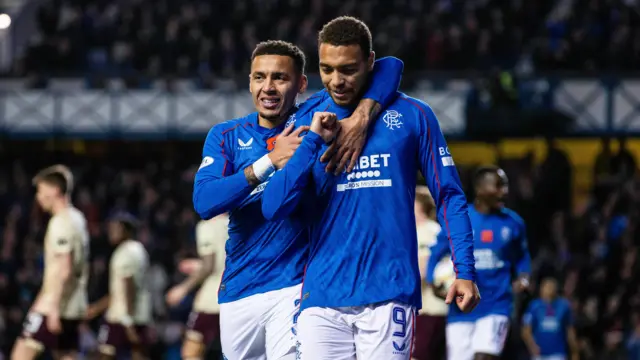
209 40
594 252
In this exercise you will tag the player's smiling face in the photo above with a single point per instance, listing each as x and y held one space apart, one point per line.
275 83
344 71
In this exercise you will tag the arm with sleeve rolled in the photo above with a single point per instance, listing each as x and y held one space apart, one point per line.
527 331
440 173
285 189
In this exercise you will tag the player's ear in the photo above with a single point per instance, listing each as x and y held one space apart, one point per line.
371 60
304 82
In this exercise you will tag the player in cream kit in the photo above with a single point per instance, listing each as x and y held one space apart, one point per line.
129 311
53 320
430 322
203 325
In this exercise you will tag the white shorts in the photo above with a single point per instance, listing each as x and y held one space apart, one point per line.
261 326
485 336
375 332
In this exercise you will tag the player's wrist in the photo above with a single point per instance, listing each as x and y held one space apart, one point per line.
314 138
263 168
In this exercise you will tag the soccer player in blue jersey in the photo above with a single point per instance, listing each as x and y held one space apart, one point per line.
548 328
260 289
362 285
500 250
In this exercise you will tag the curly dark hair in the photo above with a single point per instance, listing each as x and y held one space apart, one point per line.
279 47
347 30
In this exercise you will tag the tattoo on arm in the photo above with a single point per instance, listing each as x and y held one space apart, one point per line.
251 176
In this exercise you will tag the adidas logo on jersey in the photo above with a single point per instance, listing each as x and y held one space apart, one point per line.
244 145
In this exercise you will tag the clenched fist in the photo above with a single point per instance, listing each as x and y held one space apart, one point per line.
286 144
326 125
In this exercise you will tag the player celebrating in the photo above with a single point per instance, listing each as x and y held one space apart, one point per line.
260 288
204 323
500 245
129 311
362 284
52 322
548 325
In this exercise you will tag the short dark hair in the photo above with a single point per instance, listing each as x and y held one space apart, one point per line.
57 175
345 31
279 47
482 171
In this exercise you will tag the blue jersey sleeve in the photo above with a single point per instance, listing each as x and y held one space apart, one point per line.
568 315
385 82
523 264
286 187
437 251
216 188
439 171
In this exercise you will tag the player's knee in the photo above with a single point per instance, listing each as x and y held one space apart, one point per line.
192 350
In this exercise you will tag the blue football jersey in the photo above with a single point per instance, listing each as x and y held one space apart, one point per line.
500 251
262 255
363 237
549 322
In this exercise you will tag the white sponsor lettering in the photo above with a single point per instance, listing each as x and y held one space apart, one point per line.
486 259
364 184
372 161
444 150
448 161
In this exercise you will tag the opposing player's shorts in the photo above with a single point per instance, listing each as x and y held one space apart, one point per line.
375 332
36 334
261 326
113 339
203 327
486 335
429 342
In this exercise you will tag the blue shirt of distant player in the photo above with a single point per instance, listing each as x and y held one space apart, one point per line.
262 255
500 252
363 237
549 322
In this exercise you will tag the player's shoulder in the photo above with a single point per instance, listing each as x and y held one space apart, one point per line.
133 248
304 111
229 126
535 303
564 303
404 102
511 214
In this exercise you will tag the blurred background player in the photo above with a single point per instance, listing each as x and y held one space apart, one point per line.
548 330
361 288
53 320
430 322
129 311
203 325
260 288
500 250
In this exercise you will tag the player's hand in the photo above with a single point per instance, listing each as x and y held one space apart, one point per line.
521 284
132 335
286 144
53 323
175 295
326 125
465 293
346 150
